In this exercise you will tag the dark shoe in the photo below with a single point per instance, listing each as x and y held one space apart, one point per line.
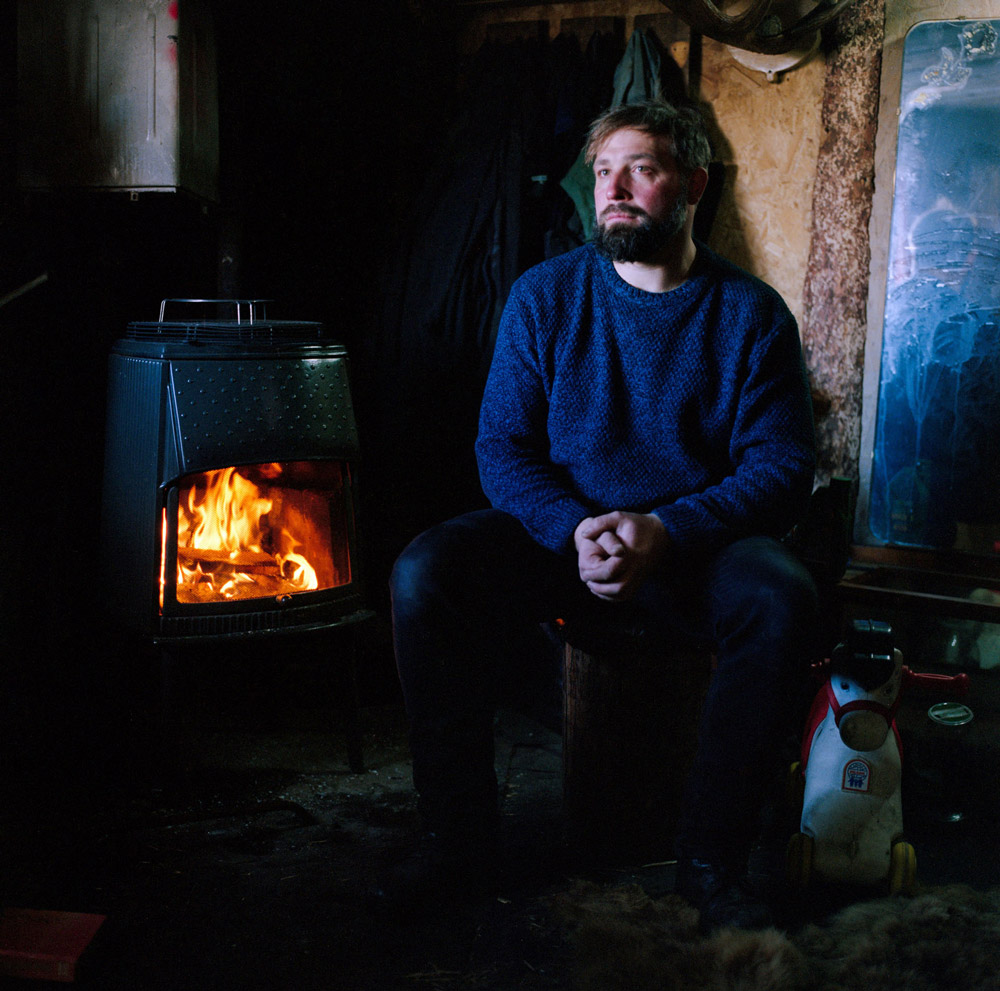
722 897
439 873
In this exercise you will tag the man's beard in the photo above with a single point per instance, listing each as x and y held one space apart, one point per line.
639 242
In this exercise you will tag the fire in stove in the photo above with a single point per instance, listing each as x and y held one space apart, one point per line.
260 530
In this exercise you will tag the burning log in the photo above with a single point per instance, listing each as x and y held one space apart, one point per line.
237 560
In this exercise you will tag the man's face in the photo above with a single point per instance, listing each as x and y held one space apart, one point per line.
640 196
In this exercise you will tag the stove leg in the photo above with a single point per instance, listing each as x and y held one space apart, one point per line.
167 693
352 720
165 709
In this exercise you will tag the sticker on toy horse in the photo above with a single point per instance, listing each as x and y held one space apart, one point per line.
857 775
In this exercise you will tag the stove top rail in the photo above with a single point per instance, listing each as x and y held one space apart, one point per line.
252 309
222 321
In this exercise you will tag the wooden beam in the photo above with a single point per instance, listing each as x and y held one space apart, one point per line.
835 296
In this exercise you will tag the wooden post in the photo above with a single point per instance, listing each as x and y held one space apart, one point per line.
835 294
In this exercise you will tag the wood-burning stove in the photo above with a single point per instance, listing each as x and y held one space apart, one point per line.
230 478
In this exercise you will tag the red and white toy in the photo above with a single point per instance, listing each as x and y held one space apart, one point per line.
850 772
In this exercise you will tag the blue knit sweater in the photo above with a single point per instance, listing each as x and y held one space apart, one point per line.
691 404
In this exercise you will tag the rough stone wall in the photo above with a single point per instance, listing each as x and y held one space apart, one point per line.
835 295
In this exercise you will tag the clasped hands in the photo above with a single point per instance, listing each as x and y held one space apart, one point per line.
617 551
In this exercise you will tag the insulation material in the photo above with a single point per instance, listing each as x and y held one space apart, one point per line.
936 455
900 18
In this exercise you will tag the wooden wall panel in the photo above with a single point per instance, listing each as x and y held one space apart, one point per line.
477 23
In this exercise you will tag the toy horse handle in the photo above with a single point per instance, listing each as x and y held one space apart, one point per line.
953 684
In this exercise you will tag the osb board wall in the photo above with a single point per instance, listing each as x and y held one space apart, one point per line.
900 16
765 133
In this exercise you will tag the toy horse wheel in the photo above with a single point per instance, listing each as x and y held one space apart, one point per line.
902 869
798 860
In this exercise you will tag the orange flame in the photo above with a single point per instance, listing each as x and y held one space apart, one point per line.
233 541
163 556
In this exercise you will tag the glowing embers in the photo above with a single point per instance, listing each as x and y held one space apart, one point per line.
261 531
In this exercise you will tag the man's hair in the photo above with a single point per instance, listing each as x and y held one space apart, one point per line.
684 125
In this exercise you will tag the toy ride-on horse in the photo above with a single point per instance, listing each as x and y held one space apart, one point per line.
849 775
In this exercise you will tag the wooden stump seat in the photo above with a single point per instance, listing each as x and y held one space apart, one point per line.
630 718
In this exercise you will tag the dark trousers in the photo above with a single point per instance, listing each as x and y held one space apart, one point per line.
462 590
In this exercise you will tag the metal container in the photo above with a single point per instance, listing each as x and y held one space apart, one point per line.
942 771
117 95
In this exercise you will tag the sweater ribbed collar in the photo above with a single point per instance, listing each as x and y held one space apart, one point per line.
689 287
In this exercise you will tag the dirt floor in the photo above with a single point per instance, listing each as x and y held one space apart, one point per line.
235 850
237 853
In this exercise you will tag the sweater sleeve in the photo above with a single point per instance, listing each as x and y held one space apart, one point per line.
512 447
771 453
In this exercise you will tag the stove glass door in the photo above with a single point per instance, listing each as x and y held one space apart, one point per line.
260 531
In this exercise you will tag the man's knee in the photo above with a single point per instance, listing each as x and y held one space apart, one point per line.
765 579
411 569
450 559
784 577
420 569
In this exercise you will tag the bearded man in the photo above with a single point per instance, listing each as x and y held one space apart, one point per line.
645 441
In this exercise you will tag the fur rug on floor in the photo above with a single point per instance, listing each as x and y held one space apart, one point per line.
944 938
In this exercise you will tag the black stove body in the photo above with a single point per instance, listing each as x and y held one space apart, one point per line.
230 477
